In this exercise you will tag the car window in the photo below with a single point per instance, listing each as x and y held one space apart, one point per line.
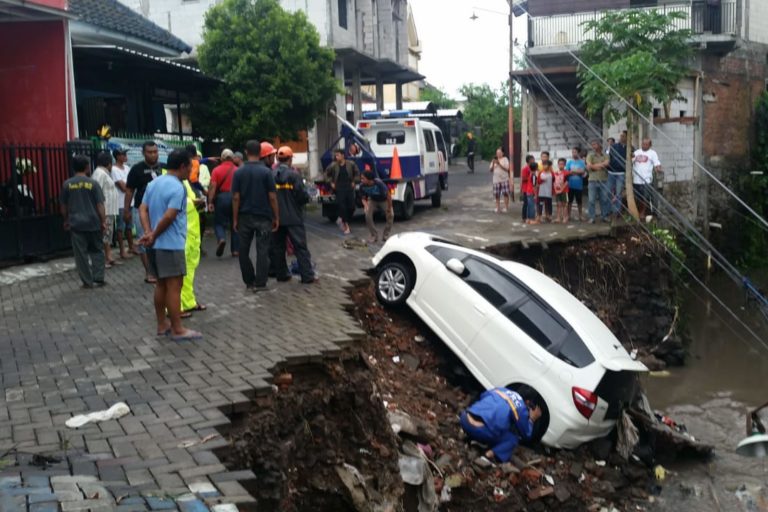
429 141
534 320
492 284
443 254
390 137
441 144
575 352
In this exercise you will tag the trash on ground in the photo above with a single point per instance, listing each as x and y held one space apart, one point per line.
118 410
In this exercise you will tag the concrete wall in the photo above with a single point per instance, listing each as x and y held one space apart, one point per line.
757 18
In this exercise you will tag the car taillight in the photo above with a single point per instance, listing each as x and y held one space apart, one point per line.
585 401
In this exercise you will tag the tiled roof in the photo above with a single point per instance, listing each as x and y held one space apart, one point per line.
112 15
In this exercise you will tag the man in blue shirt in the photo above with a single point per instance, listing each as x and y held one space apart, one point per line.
499 419
164 219
577 171
376 196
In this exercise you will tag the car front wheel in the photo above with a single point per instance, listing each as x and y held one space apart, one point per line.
394 283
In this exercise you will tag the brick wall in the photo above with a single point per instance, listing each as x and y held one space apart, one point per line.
731 87
555 130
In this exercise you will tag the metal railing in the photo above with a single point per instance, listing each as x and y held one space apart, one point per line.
569 29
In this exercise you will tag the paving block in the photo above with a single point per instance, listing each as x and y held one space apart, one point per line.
7 482
204 489
225 507
192 506
161 503
48 506
41 497
37 481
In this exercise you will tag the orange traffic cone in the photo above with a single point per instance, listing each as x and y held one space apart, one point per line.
395 173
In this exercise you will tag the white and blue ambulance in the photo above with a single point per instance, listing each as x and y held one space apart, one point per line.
377 141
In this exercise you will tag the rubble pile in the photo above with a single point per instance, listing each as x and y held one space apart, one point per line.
377 430
423 407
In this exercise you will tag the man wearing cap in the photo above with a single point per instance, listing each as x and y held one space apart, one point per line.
255 213
220 202
119 176
376 197
291 198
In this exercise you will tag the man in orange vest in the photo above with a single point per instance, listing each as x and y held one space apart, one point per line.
199 179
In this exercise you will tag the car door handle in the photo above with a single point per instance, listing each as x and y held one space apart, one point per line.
480 309
536 358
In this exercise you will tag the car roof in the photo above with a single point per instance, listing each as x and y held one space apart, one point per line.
603 344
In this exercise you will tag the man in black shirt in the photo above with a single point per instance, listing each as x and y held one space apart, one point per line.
376 196
139 177
255 212
291 198
82 206
617 169
471 145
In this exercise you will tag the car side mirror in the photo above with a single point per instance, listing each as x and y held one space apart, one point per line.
455 266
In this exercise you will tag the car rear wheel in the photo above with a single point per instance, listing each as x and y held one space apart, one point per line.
541 426
394 283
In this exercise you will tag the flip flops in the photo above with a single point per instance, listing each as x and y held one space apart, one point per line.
189 335
199 307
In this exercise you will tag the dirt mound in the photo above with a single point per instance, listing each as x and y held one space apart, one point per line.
326 425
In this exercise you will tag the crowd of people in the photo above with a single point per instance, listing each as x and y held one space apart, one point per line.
549 189
159 212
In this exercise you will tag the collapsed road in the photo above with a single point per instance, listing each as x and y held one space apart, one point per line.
378 430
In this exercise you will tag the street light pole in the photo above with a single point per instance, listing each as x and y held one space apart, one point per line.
511 115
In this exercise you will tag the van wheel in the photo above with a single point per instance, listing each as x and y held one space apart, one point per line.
407 206
437 197
541 426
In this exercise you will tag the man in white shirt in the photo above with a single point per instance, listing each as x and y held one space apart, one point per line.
103 177
120 176
644 163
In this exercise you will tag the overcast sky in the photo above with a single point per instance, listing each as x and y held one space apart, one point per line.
457 50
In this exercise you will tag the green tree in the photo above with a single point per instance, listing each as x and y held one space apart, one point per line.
642 56
437 96
486 108
276 77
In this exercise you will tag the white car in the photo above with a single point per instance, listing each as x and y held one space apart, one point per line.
514 327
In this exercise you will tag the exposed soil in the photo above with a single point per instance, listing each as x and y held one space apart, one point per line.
326 415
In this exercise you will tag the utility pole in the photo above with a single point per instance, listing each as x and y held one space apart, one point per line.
511 114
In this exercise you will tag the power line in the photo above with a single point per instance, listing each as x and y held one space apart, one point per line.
544 82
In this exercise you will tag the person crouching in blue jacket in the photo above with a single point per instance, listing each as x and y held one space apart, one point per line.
499 419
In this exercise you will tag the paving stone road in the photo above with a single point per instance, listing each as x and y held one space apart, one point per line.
66 351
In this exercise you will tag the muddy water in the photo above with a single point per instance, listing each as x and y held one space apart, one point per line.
726 374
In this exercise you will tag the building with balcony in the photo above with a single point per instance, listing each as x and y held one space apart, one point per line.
376 45
711 125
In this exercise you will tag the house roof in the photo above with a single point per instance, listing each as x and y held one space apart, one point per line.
112 15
